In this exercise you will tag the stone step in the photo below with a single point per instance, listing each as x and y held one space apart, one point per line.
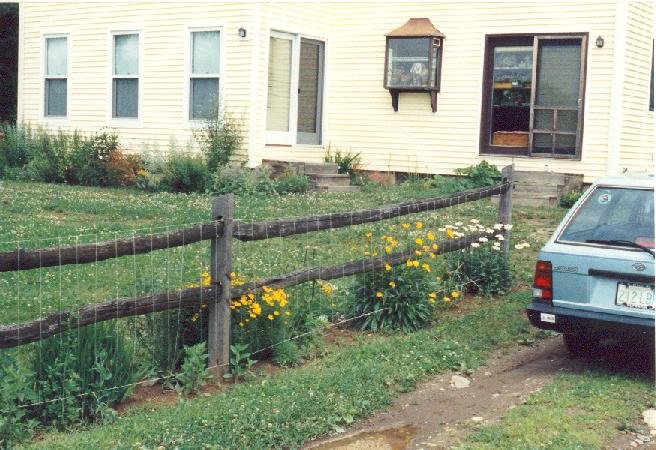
540 177
337 179
537 188
538 201
321 188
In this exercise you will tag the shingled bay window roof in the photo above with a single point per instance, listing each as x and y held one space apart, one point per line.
416 27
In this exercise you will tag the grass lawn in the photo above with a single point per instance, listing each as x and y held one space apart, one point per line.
329 393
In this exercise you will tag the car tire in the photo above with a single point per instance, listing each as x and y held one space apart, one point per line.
579 344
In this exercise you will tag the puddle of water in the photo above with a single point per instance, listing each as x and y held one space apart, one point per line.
389 439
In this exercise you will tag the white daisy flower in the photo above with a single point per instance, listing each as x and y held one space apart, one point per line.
475 244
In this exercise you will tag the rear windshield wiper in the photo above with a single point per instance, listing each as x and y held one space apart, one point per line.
621 242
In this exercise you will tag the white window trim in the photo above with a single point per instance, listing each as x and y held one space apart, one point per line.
289 138
57 120
196 123
128 122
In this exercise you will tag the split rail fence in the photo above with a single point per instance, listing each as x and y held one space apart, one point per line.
220 232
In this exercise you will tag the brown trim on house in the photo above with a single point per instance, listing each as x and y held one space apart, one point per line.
512 39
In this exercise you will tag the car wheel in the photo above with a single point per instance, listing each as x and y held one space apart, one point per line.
579 344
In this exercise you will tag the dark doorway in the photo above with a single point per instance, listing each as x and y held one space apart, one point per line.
8 61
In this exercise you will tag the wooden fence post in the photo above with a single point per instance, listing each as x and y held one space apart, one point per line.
505 204
218 340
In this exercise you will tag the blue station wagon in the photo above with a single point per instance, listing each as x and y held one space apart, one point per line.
594 278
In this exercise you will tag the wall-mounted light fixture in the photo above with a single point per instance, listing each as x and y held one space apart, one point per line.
599 42
242 32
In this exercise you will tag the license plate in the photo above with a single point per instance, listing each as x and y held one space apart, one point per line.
633 295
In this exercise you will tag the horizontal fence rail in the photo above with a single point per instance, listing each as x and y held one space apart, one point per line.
252 231
50 325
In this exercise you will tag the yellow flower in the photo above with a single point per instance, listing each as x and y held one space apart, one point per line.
432 255
369 234
446 299
405 226
430 236
418 241
276 313
379 294
418 225
206 279
415 263
450 232
392 284
418 253
432 295
287 313
388 267
455 294
431 300
388 249
241 324
270 317
426 267
326 288
435 246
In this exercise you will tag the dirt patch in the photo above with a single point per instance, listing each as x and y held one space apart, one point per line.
440 414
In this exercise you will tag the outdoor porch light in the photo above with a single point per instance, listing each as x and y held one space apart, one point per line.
599 42
413 60
242 32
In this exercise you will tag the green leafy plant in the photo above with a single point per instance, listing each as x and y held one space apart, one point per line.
240 361
291 182
185 173
90 160
397 298
49 157
238 180
16 390
480 175
480 270
568 200
219 140
81 374
347 161
286 354
194 373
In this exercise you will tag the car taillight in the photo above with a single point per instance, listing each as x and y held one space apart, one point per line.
543 282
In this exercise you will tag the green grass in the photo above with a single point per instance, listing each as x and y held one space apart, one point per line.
576 410
288 408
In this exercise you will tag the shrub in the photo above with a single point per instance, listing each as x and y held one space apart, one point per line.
238 180
122 169
480 270
568 200
48 158
483 174
286 354
219 140
90 159
81 374
290 183
400 297
185 173
14 152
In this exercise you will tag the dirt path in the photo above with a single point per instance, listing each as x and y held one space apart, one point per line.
437 414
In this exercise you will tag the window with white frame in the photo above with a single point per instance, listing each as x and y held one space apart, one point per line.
204 75
295 89
56 76
125 76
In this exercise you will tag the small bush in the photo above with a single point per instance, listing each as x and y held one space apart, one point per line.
568 200
16 390
399 298
480 175
238 180
291 183
481 270
14 151
286 354
49 157
90 158
219 141
81 374
185 173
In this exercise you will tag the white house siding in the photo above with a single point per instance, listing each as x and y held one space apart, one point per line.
637 138
359 110
164 26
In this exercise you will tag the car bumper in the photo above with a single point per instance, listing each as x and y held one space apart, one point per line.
567 320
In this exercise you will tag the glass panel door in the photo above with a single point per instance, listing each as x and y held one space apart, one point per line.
310 87
557 103
280 83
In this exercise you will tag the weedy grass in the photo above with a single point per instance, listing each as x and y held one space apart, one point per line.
327 395
576 410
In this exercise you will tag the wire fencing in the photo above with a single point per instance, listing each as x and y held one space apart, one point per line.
117 310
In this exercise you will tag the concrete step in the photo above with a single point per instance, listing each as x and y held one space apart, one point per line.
540 177
537 188
321 168
321 188
336 179
538 201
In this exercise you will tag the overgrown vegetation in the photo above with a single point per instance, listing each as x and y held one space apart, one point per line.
568 200
348 162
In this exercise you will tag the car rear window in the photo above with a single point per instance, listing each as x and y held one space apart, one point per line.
611 214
